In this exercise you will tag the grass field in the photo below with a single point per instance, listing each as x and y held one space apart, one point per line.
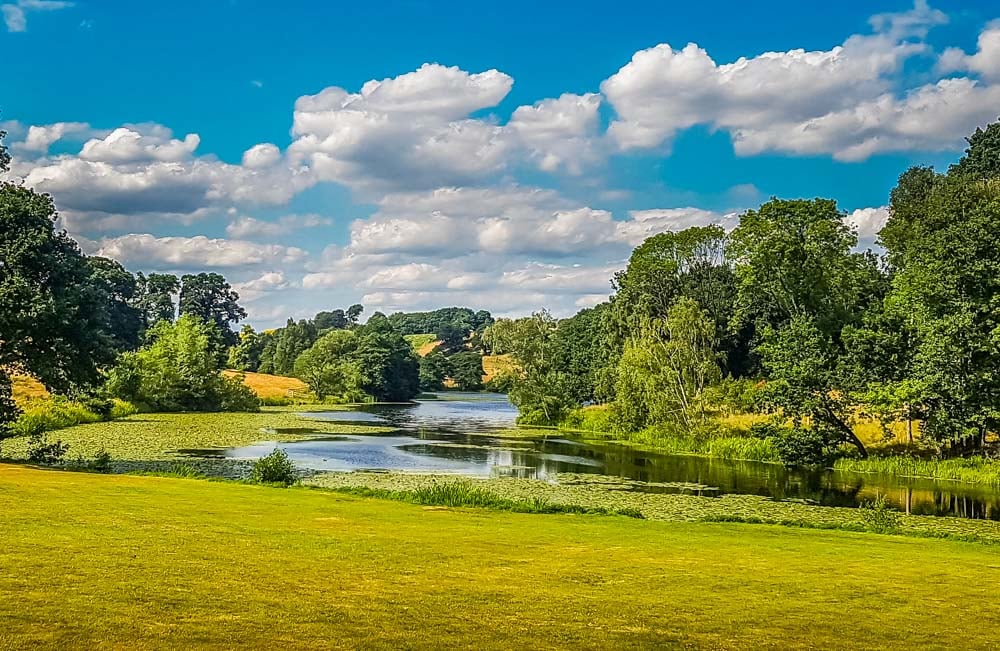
96 561
26 388
273 386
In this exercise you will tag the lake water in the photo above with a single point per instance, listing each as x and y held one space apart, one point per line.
461 434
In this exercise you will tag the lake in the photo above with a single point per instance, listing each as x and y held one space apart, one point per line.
463 434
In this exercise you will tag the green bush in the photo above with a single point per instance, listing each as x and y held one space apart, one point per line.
101 462
178 371
50 414
122 409
798 446
44 453
879 517
275 468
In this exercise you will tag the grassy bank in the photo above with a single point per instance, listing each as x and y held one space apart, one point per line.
138 562
613 495
155 437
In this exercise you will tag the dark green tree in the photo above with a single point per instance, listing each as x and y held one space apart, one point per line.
210 298
155 297
354 313
116 289
467 370
434 370
982 158
334 320
245 355
389 367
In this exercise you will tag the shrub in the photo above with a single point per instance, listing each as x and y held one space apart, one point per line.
101 461
44 453
234 395
51 414
879 517
183 470
798 446
275 468
122 409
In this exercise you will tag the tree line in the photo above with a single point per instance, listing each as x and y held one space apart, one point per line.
783 315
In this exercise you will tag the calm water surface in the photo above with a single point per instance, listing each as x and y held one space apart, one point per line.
459 434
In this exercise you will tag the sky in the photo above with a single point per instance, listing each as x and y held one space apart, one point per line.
502 156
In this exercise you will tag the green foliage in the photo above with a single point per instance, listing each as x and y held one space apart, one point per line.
419 341
799 446
457 322
177 372
982 157
330 367
57 318
210 298
434 370
101 462
467 370
665 368
275 468
389 368
44 453
155 297
8 410
245 355
52 414
879 517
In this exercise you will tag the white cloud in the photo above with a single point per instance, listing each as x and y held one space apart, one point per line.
840 101
15 15
259 287
646 223
986 60
262 155
40 138
132 145
146 251
250 228
560 133
868 222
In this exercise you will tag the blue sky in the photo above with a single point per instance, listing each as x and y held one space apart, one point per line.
514 172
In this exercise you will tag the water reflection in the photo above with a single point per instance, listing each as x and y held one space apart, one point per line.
461 435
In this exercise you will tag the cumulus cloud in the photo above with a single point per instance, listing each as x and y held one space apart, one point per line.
408 131
985 61
560 133
40 138
132 145
839 101
251 228
147 251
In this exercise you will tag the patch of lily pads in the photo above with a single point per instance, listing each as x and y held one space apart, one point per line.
602 493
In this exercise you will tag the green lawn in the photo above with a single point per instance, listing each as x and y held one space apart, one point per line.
93 561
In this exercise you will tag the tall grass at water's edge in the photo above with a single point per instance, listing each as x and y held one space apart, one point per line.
467 494
973 470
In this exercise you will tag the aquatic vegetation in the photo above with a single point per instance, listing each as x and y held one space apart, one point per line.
156 437
465 493
973 470
598 492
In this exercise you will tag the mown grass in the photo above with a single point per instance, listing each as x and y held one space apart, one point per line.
155 437
136 562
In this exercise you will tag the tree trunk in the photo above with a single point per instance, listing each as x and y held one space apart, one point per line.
852 438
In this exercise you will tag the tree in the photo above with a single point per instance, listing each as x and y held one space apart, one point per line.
290 342
434 370
4 156
666 367
177 372
389 367
942 241
793 258
53 321
467 370
330 367
354 313
580 351
245 355
116 289
155 297
335 320
982 157
210 298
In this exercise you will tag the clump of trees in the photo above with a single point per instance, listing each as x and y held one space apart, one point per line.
785 308
177 371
